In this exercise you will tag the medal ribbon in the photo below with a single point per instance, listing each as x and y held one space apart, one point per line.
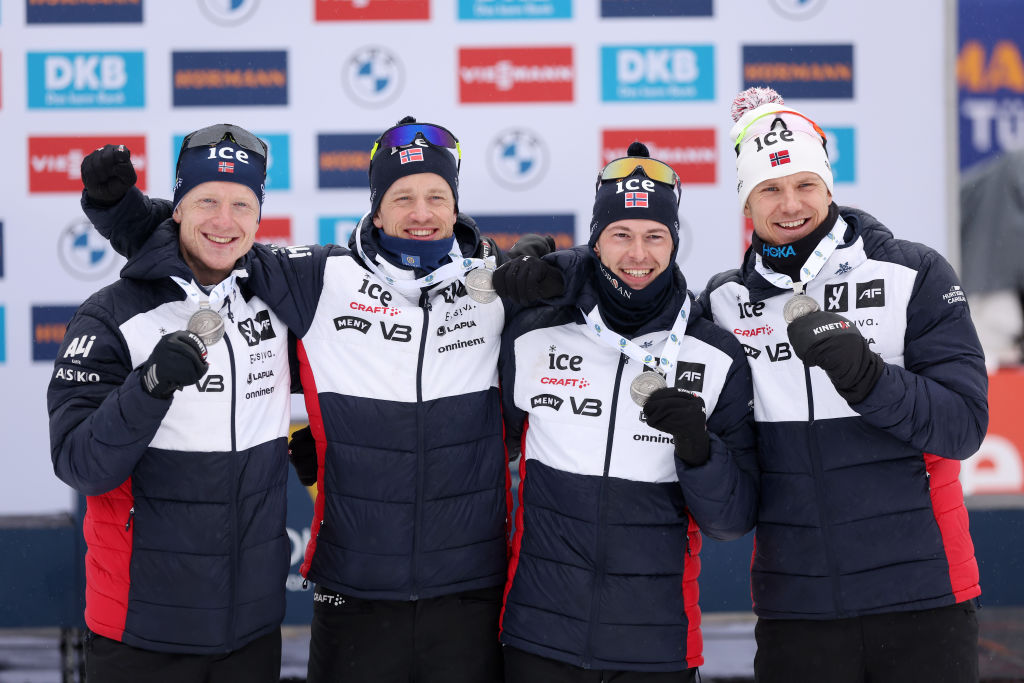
217 295
458 268
669 354
812 266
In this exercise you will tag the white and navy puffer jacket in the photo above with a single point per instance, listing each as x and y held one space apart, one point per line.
185 520
861 509
402 397
606 548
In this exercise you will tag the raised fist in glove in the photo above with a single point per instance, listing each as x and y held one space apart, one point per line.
178 360
680 413
108 174
526 279
302 453
532 244
834 344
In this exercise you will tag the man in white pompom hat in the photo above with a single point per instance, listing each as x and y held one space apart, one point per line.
870 388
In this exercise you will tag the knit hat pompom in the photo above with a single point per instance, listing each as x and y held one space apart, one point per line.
638 149
752 98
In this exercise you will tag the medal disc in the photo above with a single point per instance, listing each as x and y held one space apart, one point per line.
479 285
799 306
208 325
645 384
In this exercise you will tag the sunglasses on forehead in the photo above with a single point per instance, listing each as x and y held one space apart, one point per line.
788 112
624 167
407 133
214 135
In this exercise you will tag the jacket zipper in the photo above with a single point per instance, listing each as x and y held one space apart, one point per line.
230 639
131 516
420 454
602 518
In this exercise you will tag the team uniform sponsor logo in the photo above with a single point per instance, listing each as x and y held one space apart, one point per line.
753 332
575 382
85 79
806 71
257 329
515 9
83 11
690 376
342 159
447 329
871 294
237 78
352 322
657 73
955 295
751 351
691 152
527 74
376 10
517 158
373 76
836 299
656 8
461 344
48 326
546 401
54 163
76 376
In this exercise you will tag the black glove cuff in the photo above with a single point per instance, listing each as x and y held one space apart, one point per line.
693 450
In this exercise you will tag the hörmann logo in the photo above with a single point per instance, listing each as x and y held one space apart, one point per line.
691 152
806 71
49 323
238 78
54 163
64 80
525 74
342 159
83 11
656 8
657 73
372 10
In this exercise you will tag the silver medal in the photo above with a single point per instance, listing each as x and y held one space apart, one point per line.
645 384
479 285
799 306
208 325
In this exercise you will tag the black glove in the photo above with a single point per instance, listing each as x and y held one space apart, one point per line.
178 360
532 244
302 453
834 344
108 174
680 413
526 279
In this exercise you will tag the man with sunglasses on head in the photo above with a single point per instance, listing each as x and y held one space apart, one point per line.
632 412
871 387
399 367
183 463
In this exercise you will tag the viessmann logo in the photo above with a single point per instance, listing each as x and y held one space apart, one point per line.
692 152
526 74
54 163
366 10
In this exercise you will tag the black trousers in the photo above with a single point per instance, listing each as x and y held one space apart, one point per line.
930 646
110 661
450 639
524 667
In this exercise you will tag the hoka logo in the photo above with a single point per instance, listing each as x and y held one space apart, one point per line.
778 252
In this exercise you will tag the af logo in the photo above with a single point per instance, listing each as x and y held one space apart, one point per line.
373 76
257 329
690 376
228 12
871 294
517 158
84 253
453 291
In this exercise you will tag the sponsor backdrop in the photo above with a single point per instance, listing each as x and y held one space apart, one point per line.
541 93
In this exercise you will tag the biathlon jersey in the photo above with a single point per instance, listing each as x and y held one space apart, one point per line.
185 519
606 548
861 508
402 397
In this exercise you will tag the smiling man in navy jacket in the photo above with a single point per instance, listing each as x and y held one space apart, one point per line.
863 567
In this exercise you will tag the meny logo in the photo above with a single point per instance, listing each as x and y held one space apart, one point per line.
510 74
85 79
691 152
657 72
54 163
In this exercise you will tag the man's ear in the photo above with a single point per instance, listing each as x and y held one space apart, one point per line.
746 210
176 214
376 219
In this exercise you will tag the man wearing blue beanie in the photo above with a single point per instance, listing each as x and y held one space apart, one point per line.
184 480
